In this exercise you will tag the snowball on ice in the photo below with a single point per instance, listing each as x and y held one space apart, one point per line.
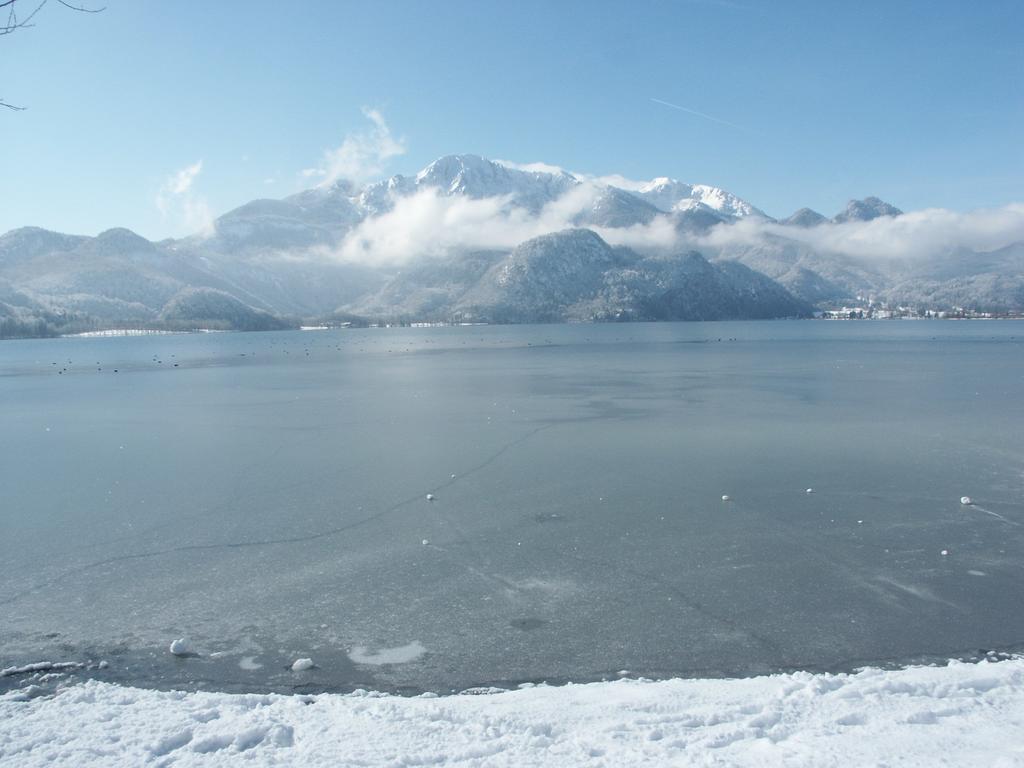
301 665
809 490
430 497
181 647
725 497
966 500
957 714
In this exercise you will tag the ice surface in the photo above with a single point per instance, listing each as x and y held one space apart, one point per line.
266 499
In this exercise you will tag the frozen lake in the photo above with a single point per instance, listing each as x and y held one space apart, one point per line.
266 496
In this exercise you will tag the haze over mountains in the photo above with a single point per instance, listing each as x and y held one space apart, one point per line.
473 240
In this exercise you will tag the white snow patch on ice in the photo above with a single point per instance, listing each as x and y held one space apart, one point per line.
958 714
40 666
403 654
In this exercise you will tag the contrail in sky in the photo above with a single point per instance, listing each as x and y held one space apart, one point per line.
712 118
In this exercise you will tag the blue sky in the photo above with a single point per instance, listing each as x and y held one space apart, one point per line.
920 103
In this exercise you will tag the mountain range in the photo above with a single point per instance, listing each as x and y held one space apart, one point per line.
473 240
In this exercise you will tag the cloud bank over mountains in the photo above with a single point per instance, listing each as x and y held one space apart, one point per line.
418 219
468 239
430 223
913 235
465 202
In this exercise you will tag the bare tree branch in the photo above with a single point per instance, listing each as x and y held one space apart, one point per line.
14 23
81 8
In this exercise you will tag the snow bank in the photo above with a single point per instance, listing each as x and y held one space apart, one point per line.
960 714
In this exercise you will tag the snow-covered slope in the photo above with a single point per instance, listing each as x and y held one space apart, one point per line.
476 177
671 195
865 210
805 217
958 715
575 275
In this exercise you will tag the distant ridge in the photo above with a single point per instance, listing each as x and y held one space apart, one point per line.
279 263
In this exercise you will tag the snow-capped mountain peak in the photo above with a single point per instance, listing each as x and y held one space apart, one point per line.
724 202
669 195
378 198
805 217
477 177
664 193
865 210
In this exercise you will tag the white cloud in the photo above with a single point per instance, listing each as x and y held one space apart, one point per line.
180 182
914 235
615 180
429 223
537 167
659 234
177 201
361 156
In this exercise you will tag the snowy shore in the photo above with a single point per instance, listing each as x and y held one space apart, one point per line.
964 714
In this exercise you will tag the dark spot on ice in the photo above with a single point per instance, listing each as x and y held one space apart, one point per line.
527 624
546 518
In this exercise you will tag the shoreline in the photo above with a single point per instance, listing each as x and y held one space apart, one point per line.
958 713
118 333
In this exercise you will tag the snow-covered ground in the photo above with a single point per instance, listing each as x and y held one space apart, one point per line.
964 714
134 332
